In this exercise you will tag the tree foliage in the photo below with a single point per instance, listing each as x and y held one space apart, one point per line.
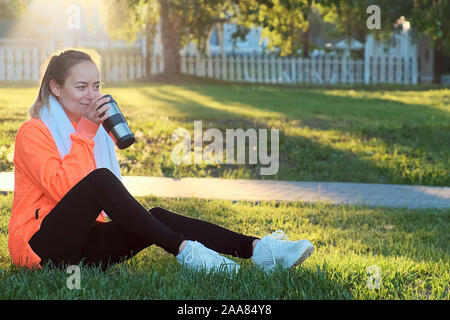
284 23
128 19
181 21
12 8
432 17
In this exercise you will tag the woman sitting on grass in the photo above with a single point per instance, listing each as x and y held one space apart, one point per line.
67 178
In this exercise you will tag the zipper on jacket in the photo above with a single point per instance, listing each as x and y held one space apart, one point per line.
36 214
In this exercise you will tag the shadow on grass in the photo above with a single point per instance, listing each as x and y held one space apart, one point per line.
167 281
417 134
419 235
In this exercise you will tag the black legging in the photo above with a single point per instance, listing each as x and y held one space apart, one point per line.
69 233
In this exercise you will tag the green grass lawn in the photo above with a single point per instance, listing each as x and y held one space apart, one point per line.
380 134
376 134
410 248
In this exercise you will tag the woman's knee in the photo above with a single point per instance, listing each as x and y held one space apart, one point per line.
158 212
102 175
99 179
102 172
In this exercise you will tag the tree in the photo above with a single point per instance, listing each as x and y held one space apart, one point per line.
285 23
181 21
12 9
350 17
431 17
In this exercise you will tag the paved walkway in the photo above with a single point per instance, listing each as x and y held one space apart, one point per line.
258 190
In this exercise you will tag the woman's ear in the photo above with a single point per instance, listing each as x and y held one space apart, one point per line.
55 88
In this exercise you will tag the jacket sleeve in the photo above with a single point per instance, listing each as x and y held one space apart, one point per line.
37 155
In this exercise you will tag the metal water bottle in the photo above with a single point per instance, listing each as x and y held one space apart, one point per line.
116 125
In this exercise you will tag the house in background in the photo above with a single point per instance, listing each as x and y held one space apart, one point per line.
403 45
344 46
251 44
221 42
400 45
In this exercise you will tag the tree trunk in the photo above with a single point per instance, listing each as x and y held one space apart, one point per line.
437 62
220 34
149 54
170 38
305 46
207 41
305 50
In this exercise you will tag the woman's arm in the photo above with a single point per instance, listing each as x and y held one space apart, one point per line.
37 155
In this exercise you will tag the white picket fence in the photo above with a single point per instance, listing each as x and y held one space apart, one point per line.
391 69
18 63
23 63
321 70
119 67
271 69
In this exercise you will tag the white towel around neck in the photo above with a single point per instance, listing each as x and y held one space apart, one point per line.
60 127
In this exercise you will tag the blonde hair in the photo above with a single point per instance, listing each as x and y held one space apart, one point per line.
58 67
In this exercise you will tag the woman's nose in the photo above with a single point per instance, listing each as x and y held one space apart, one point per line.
91 94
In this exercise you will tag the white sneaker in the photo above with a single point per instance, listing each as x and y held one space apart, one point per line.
198 257
275 249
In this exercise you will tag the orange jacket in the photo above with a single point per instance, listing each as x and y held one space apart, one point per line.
42 178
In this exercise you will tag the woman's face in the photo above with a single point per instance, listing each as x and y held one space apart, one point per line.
79 89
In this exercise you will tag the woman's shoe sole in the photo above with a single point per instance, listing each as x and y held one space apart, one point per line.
305 255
